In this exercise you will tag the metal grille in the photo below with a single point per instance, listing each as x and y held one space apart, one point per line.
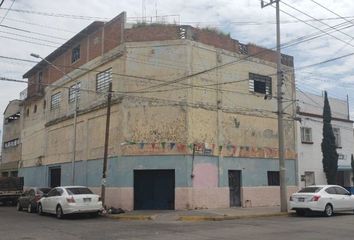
260 84
55 101
243 49
72 92
103 79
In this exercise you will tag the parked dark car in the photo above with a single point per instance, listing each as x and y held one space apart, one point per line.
30 198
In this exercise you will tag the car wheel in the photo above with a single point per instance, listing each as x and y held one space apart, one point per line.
300 212
29 208
40 209
59 212
18 206
328 212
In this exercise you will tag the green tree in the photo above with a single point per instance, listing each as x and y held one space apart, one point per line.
328 145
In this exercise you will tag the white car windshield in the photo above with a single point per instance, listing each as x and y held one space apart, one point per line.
78 191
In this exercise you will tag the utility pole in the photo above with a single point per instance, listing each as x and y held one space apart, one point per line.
77 89
282 170
106 140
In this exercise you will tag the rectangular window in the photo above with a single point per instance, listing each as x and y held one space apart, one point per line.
273 178
336 132
260 84
306 135
103 79
72 92
75 54
12 143
55 101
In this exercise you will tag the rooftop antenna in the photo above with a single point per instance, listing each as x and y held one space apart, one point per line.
156 10
143 11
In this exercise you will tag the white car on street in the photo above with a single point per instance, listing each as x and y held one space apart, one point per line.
69 200
322 198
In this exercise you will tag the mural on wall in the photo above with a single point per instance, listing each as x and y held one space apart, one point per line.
227 150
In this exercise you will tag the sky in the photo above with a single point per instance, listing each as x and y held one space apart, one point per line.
40 27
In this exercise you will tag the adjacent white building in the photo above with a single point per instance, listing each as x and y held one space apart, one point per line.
309 130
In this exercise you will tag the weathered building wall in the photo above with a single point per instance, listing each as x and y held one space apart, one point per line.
11 138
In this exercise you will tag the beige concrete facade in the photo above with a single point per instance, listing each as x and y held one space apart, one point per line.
168 96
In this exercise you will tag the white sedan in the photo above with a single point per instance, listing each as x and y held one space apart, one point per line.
322 198
68 200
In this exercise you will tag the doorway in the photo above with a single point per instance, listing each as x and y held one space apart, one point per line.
54 177
235 188
154 189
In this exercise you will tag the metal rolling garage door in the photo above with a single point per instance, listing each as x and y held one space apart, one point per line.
154 189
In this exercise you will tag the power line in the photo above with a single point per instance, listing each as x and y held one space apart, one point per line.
348 43
81 17
329 10
7 12
27 31
34 38
21 40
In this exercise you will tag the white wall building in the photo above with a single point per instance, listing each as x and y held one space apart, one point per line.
309 130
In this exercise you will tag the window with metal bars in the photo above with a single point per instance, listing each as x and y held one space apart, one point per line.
55 101
260 84
72 92
103 79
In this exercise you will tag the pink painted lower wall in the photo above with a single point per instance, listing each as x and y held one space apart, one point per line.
194 198
199 198
118 197
263 196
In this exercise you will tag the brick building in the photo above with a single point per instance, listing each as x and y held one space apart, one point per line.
192 121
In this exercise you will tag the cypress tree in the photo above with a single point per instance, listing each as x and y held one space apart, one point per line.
328 145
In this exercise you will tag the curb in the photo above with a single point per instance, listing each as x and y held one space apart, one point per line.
132 217
193 218
224 218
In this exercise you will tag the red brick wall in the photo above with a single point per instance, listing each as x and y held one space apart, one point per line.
95 44
214 39
151 33
113 31
262 53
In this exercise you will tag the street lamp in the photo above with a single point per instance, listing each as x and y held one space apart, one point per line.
75 113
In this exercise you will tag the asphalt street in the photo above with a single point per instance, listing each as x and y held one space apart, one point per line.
22 225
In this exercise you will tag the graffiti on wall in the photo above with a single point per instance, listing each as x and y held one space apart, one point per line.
227 150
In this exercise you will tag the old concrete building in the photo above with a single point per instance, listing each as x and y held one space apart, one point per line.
193 120
310 111
11 139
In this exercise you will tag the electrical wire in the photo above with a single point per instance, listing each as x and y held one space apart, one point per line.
7 12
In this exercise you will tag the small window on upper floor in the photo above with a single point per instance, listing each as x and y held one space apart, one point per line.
103 79
55 101
35 109
72 92
260 84
75 54
44 104
306 135
336 132
27 112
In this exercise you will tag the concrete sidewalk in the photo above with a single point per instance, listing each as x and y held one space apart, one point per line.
200 215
